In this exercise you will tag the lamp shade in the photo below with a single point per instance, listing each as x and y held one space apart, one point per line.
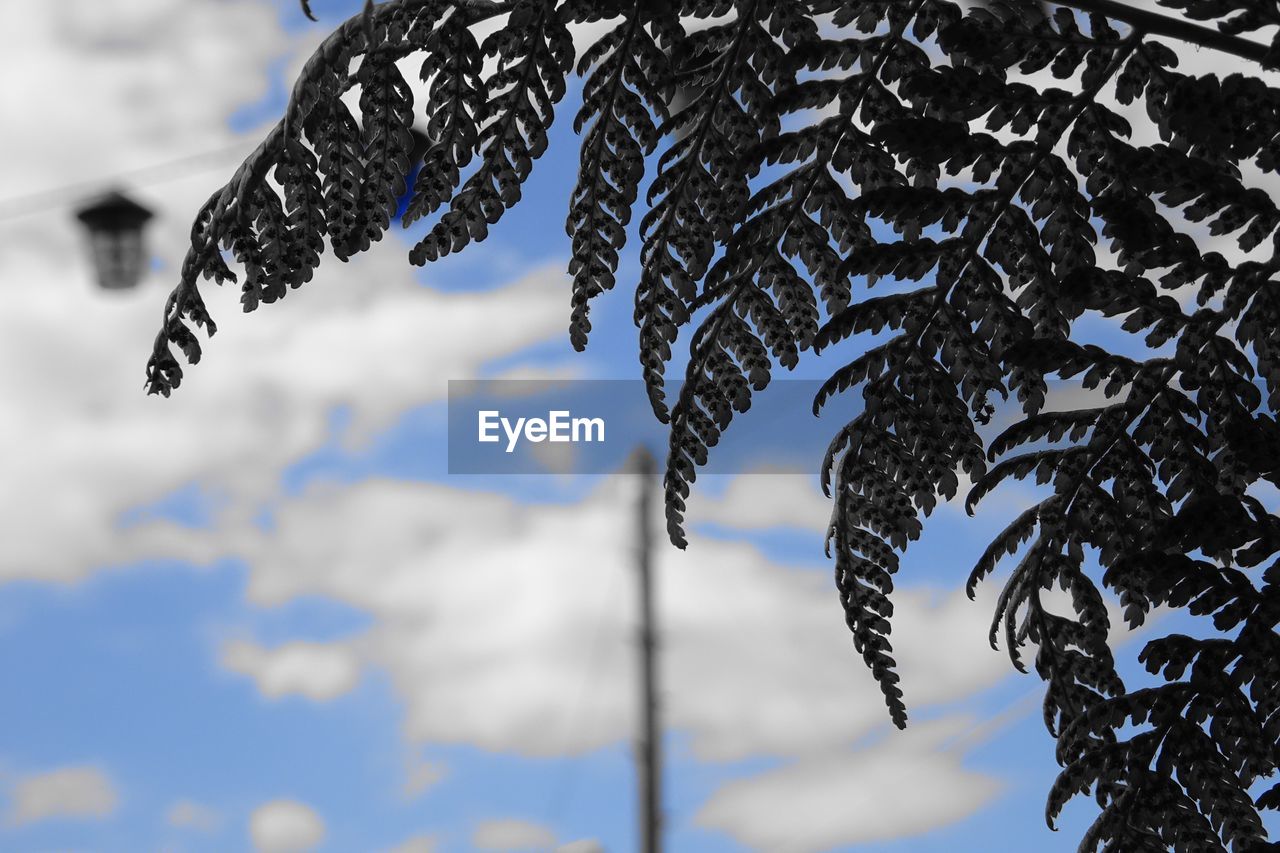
115 225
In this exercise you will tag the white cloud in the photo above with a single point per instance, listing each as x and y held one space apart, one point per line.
906 784
68 792
510 834
378 343
151 83
319 671
584 845
188 814
417 844
492 617
285 826
420 776
143 83
765 499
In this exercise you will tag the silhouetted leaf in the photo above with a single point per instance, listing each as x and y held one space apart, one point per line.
978 167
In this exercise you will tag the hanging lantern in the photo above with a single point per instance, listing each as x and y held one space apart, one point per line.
119 252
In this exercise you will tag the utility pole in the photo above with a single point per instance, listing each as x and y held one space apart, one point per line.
649 744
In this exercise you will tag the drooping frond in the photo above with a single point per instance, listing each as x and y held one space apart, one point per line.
456 108
950 199
701 190
628 82
534 52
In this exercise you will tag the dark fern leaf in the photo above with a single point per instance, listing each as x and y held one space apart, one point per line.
386 105
534 53
631 77
1005 178
701 190
304 203
455 108
337 139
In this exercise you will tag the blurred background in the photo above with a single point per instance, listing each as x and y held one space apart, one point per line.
263 615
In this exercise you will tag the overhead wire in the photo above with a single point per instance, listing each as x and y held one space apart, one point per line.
54 198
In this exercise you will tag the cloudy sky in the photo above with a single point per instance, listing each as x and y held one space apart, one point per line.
261 615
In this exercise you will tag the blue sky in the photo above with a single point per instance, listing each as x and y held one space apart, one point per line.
264 615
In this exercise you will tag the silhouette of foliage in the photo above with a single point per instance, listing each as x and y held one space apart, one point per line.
1004 175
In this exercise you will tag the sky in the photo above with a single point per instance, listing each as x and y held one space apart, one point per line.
263 615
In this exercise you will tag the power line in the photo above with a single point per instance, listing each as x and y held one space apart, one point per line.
52 199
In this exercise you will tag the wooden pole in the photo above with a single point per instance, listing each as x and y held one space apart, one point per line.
649 744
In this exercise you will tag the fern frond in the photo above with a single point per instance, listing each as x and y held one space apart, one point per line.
455 108
631 79
535 53
804 150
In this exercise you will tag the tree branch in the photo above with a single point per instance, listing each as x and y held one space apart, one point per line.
1177 28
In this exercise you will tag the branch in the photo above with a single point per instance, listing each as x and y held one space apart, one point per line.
1163 25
